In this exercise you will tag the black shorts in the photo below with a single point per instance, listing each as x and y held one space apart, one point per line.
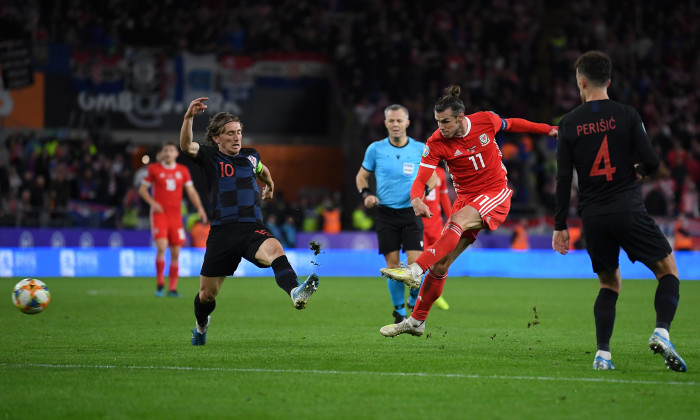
398 229
636 233
228 243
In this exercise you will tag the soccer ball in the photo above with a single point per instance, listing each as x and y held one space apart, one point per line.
31 296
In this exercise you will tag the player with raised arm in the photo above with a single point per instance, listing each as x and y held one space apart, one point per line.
237 230
168 179
607 144
468 144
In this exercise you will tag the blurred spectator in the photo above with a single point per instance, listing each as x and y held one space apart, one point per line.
199 234
331 216
690 199
289 232
655 201
272 224
360 219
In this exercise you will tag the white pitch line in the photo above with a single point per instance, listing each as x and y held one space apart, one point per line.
349 372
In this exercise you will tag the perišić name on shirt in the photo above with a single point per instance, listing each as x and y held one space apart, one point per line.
596 127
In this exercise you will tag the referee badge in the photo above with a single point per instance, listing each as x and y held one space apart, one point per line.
484 139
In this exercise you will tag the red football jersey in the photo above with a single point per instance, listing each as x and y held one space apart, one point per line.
438 202
167 184
474 161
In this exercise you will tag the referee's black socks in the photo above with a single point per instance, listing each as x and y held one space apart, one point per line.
604 312
666 300
284 274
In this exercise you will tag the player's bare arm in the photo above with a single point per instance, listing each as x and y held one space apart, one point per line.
269 187
148 198
194 198
362 182
186 144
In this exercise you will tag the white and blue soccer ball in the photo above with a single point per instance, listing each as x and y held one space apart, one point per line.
31 296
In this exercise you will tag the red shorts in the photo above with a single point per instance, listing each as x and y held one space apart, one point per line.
168 226
493 206
432 229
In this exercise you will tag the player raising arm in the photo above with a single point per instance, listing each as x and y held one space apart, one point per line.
236 230
468 144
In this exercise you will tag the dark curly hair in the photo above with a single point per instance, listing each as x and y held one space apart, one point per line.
451 101
596 67
217 123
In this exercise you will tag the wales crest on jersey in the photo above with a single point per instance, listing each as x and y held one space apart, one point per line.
484 139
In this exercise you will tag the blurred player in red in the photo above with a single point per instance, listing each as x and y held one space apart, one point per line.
438 201
168 178
468 144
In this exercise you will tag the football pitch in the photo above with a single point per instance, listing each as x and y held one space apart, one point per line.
507 348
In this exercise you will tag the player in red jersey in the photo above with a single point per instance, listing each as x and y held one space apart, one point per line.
168 178
468 144
438 202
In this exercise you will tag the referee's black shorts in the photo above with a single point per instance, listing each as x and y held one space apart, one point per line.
398 229
635 232
228 243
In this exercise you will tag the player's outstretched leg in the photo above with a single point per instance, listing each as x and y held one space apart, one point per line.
660 345
410 275
408 326
199 333
301 294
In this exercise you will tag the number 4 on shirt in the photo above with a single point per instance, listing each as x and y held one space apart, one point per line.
603 155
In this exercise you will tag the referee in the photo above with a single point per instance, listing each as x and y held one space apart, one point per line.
605 141
394 162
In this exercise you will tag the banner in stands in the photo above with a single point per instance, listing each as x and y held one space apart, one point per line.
129 262
145 89
16 64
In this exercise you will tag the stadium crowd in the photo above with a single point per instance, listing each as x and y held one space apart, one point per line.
514 57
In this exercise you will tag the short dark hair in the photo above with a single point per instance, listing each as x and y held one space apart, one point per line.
595 66
451 101
217 123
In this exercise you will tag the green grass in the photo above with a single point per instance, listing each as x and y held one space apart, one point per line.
106 348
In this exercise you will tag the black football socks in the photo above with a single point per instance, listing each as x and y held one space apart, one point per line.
604 312
666 300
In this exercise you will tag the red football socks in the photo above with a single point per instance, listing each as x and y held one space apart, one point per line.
160 267
429 293
172 276
445 243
